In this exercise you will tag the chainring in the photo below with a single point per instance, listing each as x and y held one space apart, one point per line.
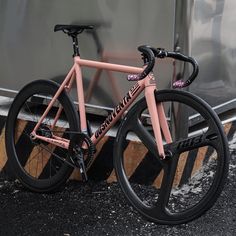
81 142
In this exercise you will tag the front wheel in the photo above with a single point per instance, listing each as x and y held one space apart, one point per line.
187 183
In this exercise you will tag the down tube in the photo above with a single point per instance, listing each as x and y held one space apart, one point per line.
118 111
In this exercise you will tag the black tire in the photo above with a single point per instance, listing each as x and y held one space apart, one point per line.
37 164
188 182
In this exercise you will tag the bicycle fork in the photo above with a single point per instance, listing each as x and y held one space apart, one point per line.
157 115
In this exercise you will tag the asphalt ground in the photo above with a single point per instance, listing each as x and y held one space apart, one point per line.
98 208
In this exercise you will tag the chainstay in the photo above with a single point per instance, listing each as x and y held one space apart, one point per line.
57 156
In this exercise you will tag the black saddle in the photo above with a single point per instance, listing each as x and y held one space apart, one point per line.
72 29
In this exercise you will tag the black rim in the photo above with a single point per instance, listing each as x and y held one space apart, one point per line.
38 164
162 205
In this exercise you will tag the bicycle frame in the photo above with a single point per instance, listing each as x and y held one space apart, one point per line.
156 111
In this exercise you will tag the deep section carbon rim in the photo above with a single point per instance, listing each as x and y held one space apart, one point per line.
39 165
188 182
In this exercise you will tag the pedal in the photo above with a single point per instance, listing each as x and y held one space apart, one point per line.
81 150
90 133
79 161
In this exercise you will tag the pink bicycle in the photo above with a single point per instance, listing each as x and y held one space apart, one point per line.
170 177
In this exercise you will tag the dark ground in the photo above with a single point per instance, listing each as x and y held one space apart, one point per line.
101 209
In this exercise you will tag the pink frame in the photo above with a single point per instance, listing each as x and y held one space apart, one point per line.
156 111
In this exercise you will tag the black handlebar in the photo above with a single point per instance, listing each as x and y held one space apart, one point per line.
149 57
149 54
161 53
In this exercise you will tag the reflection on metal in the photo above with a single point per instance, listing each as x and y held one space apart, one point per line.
182 37
30 50
204 29
179 114
214 46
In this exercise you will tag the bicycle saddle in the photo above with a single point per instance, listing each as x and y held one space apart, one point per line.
75 29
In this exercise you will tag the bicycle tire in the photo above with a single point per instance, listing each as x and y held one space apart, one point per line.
174 199
37 165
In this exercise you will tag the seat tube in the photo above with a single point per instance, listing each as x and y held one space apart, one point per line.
80 92
150 87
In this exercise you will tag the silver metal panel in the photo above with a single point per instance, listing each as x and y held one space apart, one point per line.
30 50
213 44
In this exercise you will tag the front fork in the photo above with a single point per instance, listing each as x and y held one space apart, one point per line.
157 115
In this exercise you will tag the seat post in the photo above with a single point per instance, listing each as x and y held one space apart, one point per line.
73 31
75 45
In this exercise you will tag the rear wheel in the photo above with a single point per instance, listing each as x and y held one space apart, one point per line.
40 166
187 183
